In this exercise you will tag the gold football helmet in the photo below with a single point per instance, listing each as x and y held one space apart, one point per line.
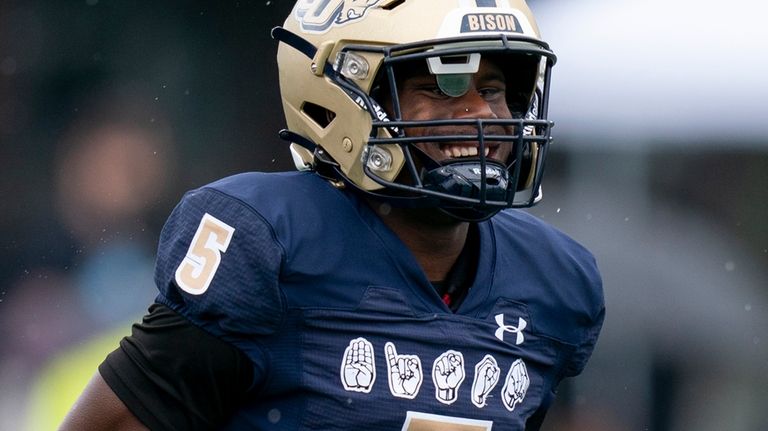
339 61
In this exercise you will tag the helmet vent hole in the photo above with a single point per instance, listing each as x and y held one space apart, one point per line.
321 116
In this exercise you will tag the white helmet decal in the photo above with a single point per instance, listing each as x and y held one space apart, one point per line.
317 16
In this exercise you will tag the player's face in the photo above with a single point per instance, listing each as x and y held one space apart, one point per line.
421 99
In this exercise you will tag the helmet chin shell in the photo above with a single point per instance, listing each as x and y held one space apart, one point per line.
465 179
337 112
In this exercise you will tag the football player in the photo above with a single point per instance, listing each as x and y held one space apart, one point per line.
390 284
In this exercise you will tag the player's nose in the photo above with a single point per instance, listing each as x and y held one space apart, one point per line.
472 105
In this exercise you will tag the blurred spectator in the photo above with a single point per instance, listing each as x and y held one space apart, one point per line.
111 170
110 173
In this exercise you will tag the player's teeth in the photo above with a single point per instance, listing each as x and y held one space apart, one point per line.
487 151
455 151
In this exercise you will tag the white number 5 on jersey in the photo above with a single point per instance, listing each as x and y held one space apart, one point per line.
196 271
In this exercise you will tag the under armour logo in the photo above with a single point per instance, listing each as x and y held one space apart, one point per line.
521 324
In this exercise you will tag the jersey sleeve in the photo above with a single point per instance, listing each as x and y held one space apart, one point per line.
218 265
153 374
590 321
198 352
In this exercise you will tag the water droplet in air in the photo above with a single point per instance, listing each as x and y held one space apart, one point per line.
274 416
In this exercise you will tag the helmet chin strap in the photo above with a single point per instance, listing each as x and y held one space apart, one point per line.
461 178
464 178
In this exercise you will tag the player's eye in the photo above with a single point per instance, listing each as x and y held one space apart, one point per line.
435 91
492 92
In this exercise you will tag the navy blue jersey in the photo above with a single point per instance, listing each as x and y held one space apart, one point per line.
342 326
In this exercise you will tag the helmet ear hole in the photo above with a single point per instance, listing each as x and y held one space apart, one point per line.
319 115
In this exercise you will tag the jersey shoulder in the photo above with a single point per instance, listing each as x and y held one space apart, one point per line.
542 236
544 246
560 279
220 251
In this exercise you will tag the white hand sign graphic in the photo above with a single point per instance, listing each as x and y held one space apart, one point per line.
516 385
447 375
405 373
358 370
487 373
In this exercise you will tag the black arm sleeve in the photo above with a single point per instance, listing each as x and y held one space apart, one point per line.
173 375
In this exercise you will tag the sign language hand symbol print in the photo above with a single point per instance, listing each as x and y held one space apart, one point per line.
516 385
405 373
487 374
358 371
447 375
